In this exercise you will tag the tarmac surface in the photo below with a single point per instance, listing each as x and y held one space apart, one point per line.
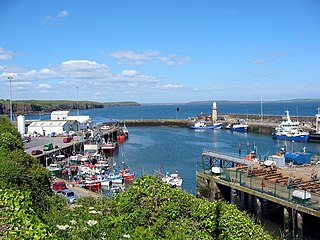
36 143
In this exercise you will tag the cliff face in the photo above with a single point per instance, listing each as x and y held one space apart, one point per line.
30 107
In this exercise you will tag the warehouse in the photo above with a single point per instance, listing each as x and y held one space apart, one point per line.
48 127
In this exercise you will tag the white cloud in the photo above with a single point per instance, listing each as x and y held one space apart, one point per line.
138 58
129 72
171 86
43 86
5 55
174 60
134 56
95 80
63 13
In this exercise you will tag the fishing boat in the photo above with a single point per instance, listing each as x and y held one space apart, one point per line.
239 127
172 179
115 178
54 169
125 131
201 124
110 147
92 183
290 130
314 136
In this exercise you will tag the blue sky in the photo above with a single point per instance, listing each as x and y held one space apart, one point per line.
160 51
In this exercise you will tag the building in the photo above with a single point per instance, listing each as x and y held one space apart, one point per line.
84 122
59 115
49 127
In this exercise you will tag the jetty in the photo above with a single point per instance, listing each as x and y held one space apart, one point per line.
289 194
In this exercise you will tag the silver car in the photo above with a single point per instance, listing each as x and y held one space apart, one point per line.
70 196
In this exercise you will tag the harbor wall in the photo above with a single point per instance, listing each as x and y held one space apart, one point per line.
264 125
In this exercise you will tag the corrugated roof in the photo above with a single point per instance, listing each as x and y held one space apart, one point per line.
60 112
48 123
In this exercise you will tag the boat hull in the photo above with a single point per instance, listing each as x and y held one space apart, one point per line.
240 129
217 126
314 137
299 138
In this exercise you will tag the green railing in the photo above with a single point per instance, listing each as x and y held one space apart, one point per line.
260 184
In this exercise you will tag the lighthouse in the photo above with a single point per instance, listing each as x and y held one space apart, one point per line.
214 114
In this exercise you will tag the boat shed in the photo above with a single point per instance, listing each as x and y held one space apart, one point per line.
48 127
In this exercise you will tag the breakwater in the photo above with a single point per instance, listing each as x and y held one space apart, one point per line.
257 124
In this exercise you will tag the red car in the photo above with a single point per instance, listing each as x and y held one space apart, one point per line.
59 185
67 139
36 152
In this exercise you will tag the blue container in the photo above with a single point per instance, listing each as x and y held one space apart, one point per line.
298 158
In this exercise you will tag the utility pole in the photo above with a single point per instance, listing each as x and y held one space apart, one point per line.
10 77
78 128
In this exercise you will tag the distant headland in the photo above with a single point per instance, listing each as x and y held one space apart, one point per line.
26 107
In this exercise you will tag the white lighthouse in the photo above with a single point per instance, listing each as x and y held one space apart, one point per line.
214 114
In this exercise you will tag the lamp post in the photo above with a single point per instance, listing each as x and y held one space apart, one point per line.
77 109
10 77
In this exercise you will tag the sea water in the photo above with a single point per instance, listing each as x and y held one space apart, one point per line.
179 149
169 111
149 149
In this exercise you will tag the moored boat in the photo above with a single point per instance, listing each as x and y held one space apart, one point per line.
172 179
239 127
314 136
92 184
201 124
54 169
290 130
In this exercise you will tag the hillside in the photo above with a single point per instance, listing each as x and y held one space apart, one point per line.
38 106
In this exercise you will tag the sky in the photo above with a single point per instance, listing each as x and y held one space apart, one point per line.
164 51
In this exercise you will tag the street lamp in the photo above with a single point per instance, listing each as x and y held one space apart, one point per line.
77 109
10 77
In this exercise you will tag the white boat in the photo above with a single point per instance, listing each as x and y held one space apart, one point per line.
110 146
239 127
115 178
173 179
201 124
290 130
54 169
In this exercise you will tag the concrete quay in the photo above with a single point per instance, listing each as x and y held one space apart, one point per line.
288 196
265 125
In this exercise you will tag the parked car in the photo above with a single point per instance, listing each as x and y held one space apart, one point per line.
70 196
48 147
67 139
36 152
59 186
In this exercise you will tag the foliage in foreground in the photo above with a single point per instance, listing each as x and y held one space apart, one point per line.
150 209
17 218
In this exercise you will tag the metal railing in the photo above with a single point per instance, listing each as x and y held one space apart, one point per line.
270 187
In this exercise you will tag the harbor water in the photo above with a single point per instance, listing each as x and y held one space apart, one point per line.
179 149
150 149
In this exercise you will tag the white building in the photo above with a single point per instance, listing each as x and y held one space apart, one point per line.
59 115
84 121
48 127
